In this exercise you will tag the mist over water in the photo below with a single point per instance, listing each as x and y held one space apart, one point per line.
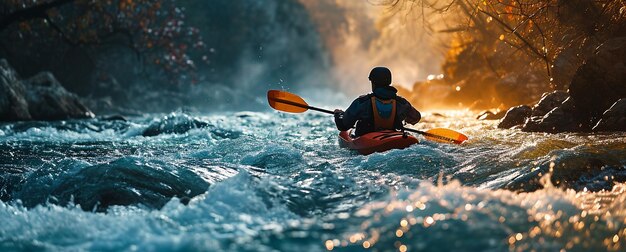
322 49
326 49
360 35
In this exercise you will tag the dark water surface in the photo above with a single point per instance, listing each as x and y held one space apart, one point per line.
270 181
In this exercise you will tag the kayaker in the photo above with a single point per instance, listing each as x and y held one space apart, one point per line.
382 109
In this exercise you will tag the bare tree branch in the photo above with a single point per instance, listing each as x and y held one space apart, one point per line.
514 32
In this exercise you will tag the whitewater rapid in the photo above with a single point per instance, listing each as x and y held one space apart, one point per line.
253 181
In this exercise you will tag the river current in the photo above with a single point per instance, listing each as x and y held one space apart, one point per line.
267 181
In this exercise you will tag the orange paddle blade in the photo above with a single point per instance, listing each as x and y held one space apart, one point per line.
452 135
287 102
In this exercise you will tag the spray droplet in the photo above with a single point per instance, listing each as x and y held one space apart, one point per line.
329 245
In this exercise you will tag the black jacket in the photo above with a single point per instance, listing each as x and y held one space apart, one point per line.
361 112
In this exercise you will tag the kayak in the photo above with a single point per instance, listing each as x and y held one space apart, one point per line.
376 141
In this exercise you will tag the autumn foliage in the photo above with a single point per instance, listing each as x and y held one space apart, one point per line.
154 29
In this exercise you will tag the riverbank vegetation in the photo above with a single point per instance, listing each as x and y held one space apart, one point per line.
507 52
503 53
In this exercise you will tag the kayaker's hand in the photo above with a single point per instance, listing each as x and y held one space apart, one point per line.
338 113
339 120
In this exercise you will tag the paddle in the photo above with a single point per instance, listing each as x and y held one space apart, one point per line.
288 102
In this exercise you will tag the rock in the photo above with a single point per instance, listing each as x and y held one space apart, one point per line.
39 98
174 123
548 102
488 115
599 82
597 171
614 119
126 181
7 73
13 106
48 100
515 116
565 65
560 119
596 85
114 118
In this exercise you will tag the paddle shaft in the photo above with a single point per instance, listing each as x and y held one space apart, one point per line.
303 106
433 135
331 112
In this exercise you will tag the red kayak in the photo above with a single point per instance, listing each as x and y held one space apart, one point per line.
376 141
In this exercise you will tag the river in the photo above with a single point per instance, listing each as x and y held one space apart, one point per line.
266 181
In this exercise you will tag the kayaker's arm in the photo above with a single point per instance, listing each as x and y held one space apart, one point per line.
413 116
408 113
346 120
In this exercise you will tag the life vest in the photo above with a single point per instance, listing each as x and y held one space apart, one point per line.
384 113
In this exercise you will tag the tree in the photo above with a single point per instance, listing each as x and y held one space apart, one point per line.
38 35
548 39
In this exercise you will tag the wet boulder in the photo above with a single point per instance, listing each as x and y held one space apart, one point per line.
40 97
614 119
127 181
599 82
48 100
174 124
488 115
561 119
177 123
595 172
114 118
548 102
13 106
515 116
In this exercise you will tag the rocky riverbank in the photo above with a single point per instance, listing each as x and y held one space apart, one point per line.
594 102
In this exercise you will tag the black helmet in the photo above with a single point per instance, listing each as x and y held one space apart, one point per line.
380 76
